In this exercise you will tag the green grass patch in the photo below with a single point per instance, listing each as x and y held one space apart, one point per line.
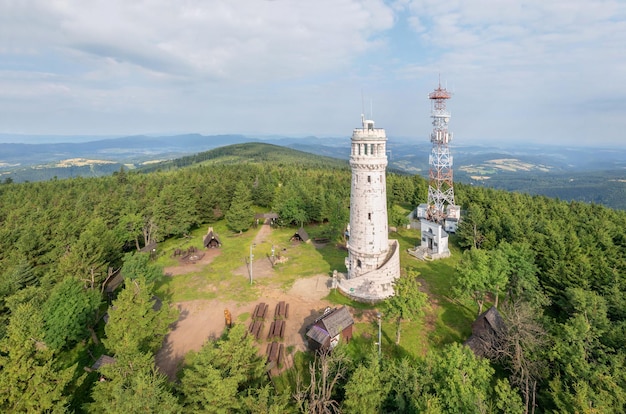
243 317
215 280
413 340
166 248
302 259
449 319
337 298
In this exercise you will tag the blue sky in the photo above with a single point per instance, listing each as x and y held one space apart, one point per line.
531 71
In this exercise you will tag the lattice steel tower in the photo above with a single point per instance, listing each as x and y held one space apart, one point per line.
440 184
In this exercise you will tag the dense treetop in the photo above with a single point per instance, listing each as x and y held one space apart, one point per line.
562 266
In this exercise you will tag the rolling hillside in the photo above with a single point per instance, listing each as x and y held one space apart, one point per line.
253 152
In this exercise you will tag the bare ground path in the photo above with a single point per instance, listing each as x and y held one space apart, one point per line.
204 319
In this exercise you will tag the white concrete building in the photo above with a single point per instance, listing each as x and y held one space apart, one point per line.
373 260
434 240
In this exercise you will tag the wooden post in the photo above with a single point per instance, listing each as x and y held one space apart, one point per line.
227 318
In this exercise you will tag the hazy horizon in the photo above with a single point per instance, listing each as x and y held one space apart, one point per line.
35 139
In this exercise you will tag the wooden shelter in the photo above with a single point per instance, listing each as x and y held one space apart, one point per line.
113 281
266 218
327 330
149 248
488 330
211 241
100 362
301 235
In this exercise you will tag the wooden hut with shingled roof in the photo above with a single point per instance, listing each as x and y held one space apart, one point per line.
488 331
301 235
100 362
211 241
326 331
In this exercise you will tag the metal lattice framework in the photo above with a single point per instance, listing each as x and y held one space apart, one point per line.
440 184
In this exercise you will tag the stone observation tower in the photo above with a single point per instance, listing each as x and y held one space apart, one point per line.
373 260
440 215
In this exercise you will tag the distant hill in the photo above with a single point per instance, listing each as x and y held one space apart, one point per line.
595 175
137 148
253 152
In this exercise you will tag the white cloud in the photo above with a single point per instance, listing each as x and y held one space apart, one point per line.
292 66
241 40
528 65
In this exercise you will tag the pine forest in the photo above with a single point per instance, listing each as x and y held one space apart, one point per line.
554 270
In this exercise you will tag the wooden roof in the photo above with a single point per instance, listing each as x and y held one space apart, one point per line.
487 330
114 282
148 248
330 325
304 236
266 216
337 320
102 361
318 334
211 235
491 319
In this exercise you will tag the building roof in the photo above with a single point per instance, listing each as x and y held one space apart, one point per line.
149 247
266 216
337 320
318 334
102 361
211 235
493 318
114 282
304 236
487 331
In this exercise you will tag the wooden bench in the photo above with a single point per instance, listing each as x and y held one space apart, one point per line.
282 310
277 330
275 352
255 328
260 311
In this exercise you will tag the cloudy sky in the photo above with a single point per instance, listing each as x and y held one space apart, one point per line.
551 71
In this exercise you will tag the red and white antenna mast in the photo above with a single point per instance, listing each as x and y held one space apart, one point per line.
440 184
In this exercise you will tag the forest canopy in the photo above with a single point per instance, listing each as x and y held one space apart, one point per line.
561 270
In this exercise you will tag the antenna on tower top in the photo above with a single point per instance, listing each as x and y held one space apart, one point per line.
362 109
371 108
362 102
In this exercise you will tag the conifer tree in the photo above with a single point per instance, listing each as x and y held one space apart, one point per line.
218 374
365 391
240 214
68 312
132 384
136 322
29 380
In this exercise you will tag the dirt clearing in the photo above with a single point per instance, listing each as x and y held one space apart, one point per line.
200 320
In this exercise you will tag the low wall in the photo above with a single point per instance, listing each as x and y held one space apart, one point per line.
376 285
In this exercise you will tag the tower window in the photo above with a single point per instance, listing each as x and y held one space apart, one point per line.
369 178
369 216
